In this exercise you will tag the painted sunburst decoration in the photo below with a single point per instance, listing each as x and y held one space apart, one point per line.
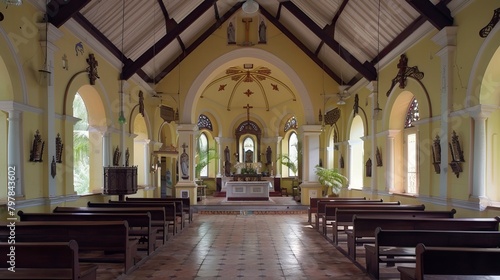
239 76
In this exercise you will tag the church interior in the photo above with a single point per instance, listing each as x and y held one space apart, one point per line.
244 100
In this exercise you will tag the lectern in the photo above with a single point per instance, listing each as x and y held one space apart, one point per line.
120 181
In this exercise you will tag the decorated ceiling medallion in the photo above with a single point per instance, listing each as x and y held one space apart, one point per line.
236 79
248 92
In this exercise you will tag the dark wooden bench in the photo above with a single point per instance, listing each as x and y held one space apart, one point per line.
107 242
313 204
320 214
170 210
179 208
186 203
139 223
44 260
343 216
158 222
449 262
398 246
363 228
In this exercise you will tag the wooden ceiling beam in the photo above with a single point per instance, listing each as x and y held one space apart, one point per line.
60 12
131 68
439 16
365 69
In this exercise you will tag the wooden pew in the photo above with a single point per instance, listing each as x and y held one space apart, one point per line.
45 260
363 228
320 214
449 262
179 210
170 210
313 204
398 246
139 223
343 216
186 203
110 238
158 222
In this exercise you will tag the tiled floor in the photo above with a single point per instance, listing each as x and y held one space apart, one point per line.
244 247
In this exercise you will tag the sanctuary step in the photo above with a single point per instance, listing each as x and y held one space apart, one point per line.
223 194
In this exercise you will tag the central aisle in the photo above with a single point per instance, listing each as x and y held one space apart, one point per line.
248 247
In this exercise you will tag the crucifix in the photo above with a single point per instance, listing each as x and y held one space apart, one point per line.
248 107
247 22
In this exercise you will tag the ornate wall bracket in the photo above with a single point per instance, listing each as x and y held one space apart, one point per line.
379 157
53 168
36 153
92 69
403 73
368 167
485 31
457 155
59 148
436 154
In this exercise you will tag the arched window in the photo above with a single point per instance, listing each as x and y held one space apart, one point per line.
81 147
293 152
356 154
203 154
411 148
204 123
291 124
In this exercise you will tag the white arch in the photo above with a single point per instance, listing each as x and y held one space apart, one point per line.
190 105
18 63
479 66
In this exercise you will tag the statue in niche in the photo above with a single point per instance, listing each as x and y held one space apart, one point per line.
227 162
184 162
127 156
231 38
269 153
116 156
262 32
248 156
368 167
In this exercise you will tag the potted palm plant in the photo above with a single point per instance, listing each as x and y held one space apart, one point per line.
331 178
204 159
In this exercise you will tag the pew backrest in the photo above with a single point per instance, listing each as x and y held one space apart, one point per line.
456 261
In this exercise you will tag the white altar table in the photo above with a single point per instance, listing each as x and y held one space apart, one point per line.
248 190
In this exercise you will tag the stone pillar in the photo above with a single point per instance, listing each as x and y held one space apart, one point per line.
221 156
446 39
310 187
480 113
14 150
348 158
390 160
106 144
187 150
277 168
147 164
48 35
373 87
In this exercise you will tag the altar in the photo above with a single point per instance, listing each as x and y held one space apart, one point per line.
247 190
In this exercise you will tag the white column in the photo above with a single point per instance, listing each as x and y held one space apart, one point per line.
446 38
221 156
348 160
147 163
278 152
480 113
48 35
310 152
106 144
373 87
14 149
389 160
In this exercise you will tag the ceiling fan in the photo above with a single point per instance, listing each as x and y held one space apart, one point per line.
341 96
